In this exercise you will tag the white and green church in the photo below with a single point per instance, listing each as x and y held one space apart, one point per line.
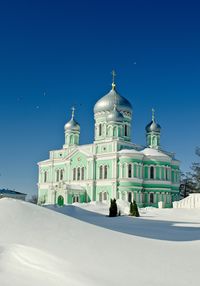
112 166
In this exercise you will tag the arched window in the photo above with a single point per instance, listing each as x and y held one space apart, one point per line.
82 173
129 197
125 130
105 172
57 175
61 175
101 172
105 196
151 172
78 173
75 199
129 170
151 198
100 129
74 174
115 131
100 197
45 176
166 174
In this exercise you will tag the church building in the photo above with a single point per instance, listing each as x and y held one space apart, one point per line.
112 166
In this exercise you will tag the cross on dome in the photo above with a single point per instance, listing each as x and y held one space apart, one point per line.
113 79
73 110
153 114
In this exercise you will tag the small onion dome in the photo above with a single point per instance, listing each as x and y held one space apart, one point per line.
72 125
106 102
153 126
115 115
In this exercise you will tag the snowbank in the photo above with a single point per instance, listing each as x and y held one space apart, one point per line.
190 202
41 247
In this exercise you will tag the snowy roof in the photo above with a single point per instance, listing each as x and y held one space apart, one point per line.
129 151
10 192
153 152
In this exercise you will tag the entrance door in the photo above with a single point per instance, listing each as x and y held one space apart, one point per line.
76 199
60 201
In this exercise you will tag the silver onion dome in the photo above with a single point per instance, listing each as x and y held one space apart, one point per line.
153 126
72 125
115 115
107 102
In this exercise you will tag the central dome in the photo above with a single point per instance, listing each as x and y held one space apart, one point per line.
115 116
107 102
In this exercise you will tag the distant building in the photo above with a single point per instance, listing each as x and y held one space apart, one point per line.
112 166
5 193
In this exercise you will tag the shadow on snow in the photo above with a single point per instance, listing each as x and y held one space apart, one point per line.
162 230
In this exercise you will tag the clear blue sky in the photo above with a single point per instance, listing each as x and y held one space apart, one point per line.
67 49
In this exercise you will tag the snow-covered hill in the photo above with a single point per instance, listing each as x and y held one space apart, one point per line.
39 246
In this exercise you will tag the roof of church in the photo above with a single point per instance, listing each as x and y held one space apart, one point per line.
115 115
153 126
154 152
107 102
72 124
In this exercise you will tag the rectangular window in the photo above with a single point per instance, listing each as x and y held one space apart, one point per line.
82 173
78 174
125 130
74 174
61 175
105 172
57 175
129 171
101 172
45 176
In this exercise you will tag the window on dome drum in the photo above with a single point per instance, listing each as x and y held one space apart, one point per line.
151 172
125 130
151 198
82 173
101 172
74 174
100 129
129 170
105 172
45 176
57 175
166 174
78 173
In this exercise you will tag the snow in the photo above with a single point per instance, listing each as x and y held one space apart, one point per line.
193 201
153 152
79 245
129 151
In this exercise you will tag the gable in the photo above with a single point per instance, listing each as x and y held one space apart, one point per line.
79 158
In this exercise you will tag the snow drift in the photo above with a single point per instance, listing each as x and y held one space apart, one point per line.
41 247
190 202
